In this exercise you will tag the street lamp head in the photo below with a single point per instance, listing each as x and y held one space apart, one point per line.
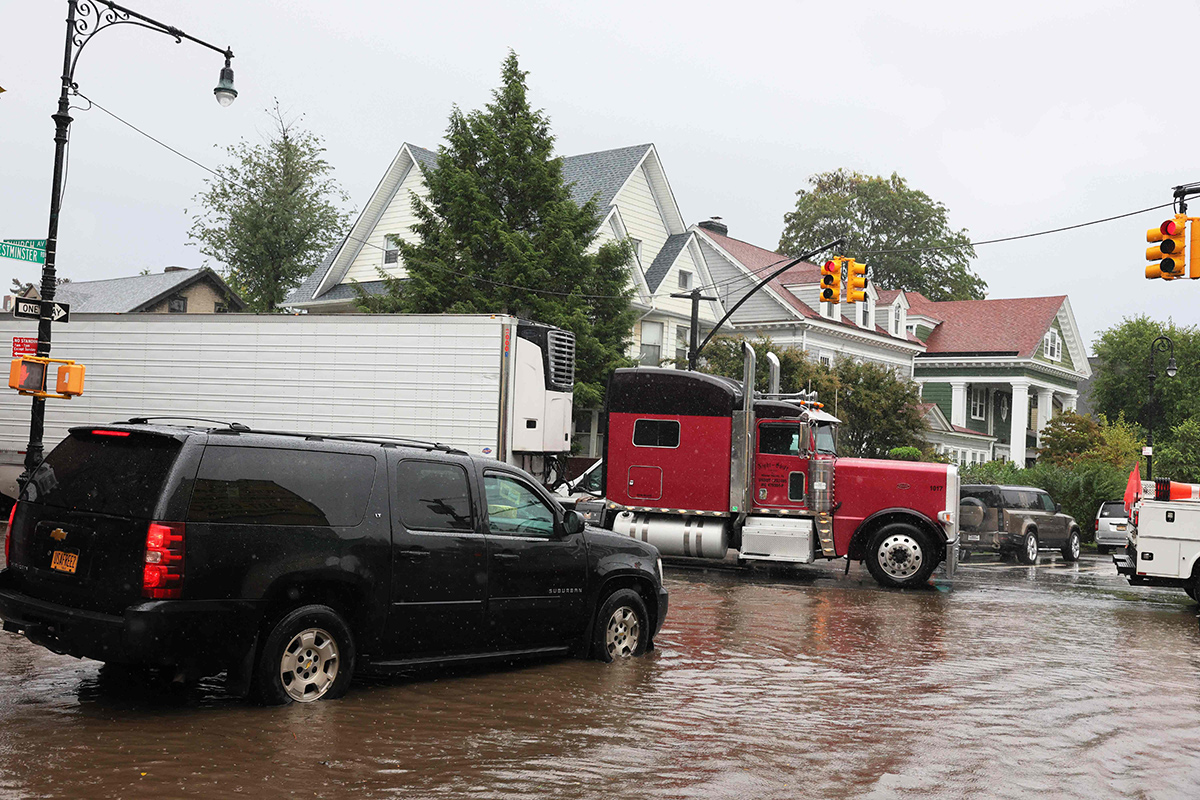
225 92
1172 369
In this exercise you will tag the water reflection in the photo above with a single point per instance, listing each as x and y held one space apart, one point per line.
761 686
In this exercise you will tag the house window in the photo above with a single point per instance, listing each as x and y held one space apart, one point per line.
897 327
685 280
637 248
682 342
864 315
177 305
828 310
220 308
1052 345
825 359
652 340
391 256
978 402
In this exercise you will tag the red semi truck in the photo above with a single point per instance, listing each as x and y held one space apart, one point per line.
697 464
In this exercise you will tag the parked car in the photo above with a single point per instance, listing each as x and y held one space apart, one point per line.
1112 525
1015 519
292 562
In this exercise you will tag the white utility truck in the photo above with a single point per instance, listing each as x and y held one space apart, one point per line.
1164 541
490 385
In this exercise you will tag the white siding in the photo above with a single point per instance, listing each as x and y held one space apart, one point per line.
732 283
397 219
641 215
670 284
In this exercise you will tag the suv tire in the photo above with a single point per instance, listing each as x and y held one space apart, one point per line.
307 656
622 627
899 555
1070 550
1027 552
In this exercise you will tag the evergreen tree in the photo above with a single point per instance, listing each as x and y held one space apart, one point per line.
271 215
499 233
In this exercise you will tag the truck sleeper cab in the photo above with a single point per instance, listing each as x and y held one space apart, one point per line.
696 466
292 561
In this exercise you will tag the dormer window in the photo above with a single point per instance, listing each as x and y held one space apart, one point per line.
685 280
1052 345
897 320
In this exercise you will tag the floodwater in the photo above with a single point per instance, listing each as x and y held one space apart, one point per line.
1054 680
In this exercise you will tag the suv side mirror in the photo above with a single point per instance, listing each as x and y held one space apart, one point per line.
1057 507
572 522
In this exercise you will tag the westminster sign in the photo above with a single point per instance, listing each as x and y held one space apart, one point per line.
32 251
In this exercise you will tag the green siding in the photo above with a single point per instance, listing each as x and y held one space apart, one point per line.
923 332
939 393
1040 353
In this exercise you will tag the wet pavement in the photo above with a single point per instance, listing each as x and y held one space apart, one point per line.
1014 681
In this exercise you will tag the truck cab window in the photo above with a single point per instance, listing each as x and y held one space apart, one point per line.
826 438
514 509
779 440
656 433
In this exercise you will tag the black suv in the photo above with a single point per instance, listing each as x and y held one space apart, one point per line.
291 561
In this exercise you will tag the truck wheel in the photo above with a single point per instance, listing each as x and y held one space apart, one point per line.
900 556
622 628
309 655
1028 552
1189 589
1070 550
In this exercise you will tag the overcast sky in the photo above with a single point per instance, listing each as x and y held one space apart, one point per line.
1018 116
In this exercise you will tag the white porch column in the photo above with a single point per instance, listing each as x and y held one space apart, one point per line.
1070 402
958 403
1045 410
1018 422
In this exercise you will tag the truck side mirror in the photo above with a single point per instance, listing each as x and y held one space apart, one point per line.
572 522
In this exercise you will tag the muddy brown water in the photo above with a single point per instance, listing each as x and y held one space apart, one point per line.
1057 680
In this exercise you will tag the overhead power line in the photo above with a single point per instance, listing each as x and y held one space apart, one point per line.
717 285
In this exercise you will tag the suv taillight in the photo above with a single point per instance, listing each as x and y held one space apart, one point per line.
8 534
162 575
1097 524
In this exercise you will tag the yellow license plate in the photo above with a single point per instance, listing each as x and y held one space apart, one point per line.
64 561
1120 527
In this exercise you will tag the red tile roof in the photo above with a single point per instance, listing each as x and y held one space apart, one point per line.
988 326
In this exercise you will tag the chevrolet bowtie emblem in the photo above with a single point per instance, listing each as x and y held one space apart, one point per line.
58 534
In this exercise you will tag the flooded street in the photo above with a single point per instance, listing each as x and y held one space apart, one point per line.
1056 679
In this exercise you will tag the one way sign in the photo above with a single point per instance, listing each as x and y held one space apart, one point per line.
32 309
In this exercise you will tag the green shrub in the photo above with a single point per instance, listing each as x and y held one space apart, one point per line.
905 454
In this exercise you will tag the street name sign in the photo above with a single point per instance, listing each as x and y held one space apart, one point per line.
24 346
40 244
32 255
32 309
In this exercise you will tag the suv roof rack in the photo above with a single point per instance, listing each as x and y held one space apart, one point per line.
363 438
233 426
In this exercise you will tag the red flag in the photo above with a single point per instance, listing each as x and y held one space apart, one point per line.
1133 489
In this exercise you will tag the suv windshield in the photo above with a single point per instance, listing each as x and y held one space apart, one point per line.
119 473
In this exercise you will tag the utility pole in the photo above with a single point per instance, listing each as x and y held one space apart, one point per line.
694 331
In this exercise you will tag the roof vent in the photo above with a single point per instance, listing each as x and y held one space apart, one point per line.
715 225
175 269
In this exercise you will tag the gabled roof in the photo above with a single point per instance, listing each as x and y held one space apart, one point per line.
601 174
1014 327
138 292
935 420
666 259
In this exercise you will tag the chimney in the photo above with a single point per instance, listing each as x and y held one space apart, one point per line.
175 269
715 225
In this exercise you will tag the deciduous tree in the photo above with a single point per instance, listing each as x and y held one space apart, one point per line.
270 215
902 234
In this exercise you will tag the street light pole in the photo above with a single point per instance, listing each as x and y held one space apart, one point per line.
86 18
1161 344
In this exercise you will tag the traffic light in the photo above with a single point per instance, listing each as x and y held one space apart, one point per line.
1194 243
27 375
1169 255
856 282
831 281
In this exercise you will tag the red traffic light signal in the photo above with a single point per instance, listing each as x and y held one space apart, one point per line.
1169 256
831 281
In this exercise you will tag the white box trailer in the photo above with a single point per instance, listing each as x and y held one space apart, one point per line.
487 384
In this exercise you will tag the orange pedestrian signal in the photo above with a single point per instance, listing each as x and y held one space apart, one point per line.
27 375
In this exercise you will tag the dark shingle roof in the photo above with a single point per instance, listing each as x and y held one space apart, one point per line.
307 290
602 174
426 159
665 259
135 293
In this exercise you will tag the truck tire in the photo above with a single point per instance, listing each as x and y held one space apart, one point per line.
1070 550
900 556
622 627
1027 552
307 656
1189 589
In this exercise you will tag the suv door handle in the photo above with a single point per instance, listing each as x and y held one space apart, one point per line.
414 553
506 556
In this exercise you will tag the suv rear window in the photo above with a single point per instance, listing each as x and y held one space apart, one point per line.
1113 508
261 486
121 475
989 496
